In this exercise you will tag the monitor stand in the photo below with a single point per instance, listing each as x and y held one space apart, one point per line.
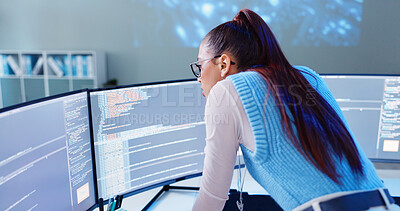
165 189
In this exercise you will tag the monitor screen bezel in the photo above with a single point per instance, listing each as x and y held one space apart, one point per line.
138 85
375 160
142 84
57 96
31 102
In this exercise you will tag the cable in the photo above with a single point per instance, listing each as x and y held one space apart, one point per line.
240 184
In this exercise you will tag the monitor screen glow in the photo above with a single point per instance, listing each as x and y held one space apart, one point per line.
371 106
146 135
45 155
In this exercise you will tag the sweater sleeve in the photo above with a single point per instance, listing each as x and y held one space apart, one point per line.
222 143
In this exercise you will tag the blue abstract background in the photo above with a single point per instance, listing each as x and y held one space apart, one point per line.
297 23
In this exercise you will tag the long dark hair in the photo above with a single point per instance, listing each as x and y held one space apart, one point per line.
322 135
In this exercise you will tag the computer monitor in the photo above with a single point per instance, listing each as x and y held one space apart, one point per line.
147 135
46 156
371 105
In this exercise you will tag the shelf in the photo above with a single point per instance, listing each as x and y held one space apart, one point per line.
10 97
83 84
58 85
29 75
34 88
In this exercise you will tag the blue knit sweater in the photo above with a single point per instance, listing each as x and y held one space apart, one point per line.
275 164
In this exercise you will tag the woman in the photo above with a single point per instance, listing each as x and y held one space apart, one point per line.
294 138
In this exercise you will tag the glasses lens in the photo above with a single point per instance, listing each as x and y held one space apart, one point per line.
195 69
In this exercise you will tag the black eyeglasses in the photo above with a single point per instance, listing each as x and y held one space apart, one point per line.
196 66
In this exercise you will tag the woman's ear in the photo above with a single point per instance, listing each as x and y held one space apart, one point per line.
225 65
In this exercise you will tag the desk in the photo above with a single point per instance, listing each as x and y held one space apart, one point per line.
183 200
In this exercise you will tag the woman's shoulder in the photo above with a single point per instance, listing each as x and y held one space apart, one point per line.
224 88
244 74
246 80
223 98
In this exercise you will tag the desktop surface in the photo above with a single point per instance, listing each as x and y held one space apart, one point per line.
182 200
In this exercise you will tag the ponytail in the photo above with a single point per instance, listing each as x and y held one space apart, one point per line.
322 135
